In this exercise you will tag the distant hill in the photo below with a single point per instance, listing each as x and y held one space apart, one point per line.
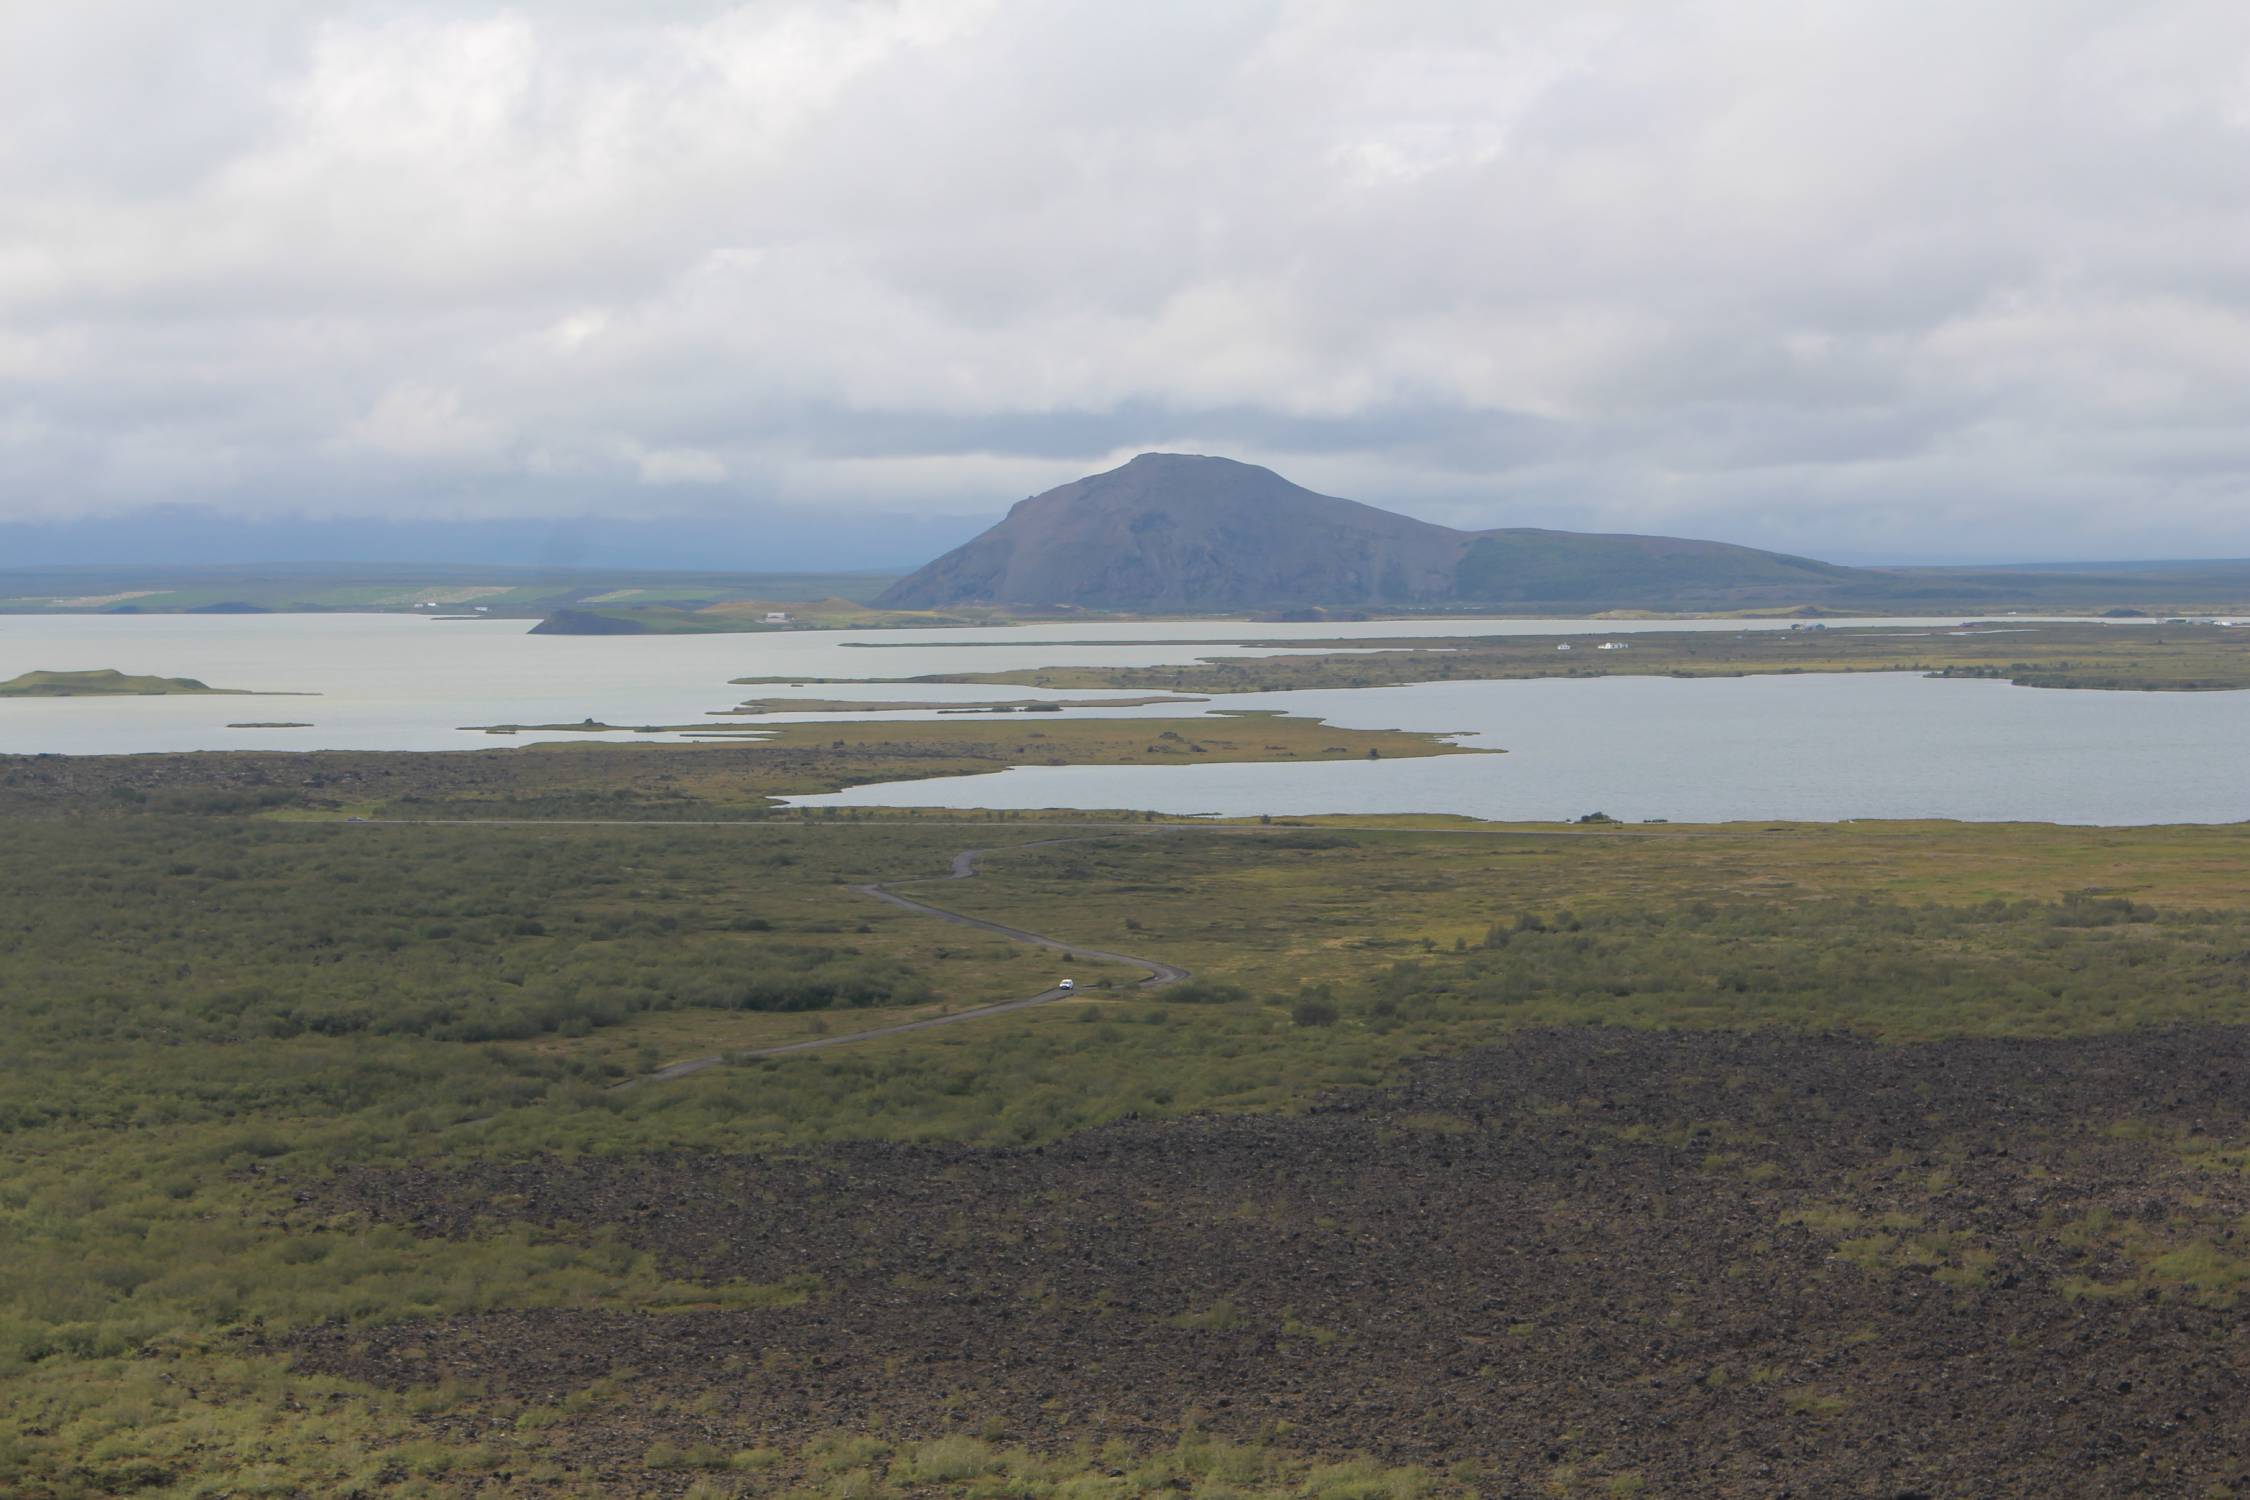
1525 566
402 588
1180 532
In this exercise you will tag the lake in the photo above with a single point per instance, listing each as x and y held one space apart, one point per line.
1818 747
396 682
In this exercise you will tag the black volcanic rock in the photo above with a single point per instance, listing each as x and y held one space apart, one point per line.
1179 532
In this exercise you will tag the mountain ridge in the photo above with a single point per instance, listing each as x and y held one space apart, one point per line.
1176 532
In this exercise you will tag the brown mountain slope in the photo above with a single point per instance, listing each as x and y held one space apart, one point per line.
1175 532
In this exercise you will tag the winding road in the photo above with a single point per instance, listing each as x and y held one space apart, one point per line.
964 867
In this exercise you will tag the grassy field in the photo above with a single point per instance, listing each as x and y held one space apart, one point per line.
103 683
216 1007
2157 658
1410 911
735 616
738 776
760 706
941 748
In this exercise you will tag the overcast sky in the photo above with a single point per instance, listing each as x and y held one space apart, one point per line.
1882 281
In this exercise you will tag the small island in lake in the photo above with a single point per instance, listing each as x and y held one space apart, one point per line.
104 683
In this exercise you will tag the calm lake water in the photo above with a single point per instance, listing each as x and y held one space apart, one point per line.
1890 745
393 682
1821 747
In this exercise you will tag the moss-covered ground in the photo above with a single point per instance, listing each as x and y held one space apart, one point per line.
213 1007
2137 656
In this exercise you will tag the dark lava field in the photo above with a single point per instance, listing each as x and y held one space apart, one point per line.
1746 1264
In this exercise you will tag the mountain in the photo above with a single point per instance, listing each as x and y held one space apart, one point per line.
1175 532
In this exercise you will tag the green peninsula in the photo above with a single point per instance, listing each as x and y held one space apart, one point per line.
106 683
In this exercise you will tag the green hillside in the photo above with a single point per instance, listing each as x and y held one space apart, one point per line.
1527 566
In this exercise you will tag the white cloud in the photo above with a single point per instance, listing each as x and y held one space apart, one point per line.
418 422
1897 275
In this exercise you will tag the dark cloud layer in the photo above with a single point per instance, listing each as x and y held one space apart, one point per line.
1875 280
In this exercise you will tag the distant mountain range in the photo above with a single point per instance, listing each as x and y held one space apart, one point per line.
1181 533
437 589
1167 533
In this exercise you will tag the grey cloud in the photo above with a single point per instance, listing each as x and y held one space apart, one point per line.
1900 279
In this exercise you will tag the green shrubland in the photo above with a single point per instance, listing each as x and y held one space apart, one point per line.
206 1012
